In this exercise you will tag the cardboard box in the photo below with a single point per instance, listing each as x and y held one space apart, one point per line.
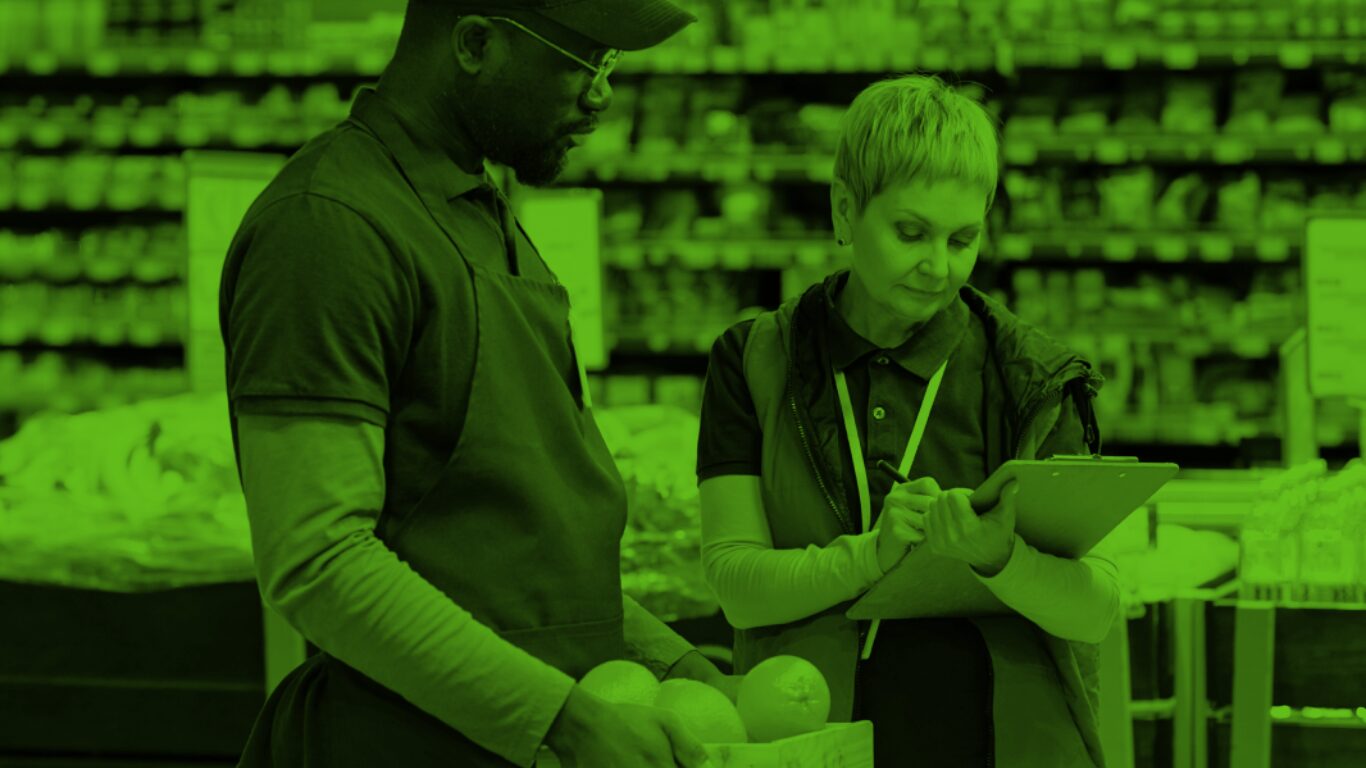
838 745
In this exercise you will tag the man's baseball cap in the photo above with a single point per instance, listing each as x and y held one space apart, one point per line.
628 25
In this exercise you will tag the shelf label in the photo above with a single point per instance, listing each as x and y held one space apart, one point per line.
1112 151
101 64
1330 151
934 59
1016 247
1295 55
1119 248
820 168
735 256
725 59
1216 248
42 63
1230 151
201 63
1273 248
1171 248
845 60
1335 261
1180 55
249 63
1021 153
1120 56
812 254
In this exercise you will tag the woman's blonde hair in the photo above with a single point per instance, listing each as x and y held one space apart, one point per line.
915 127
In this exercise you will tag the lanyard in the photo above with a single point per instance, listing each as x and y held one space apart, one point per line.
860 461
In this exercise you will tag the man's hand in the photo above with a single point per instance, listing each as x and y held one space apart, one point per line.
592 733
695 666
985 542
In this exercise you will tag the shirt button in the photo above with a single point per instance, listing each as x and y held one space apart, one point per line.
879 413
882 360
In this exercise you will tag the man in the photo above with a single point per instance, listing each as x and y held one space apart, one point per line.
431 503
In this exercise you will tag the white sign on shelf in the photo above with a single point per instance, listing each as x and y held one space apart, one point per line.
1335 285
222 186
564 224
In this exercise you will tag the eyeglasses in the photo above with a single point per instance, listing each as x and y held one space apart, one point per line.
601 70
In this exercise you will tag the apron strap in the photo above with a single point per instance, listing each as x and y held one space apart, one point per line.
860 461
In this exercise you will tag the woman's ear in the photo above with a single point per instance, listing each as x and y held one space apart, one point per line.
840 207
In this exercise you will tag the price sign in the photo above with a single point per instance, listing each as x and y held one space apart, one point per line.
1335 282
221 186
564 225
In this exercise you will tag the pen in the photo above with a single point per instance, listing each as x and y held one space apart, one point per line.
883 465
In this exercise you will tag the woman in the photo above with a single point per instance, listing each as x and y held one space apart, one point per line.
846 370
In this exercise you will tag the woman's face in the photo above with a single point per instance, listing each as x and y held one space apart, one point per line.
915 244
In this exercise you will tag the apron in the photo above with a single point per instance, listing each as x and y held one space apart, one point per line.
522 529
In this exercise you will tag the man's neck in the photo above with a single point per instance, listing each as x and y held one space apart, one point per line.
425 106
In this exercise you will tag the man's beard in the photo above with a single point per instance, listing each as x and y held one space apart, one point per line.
534 164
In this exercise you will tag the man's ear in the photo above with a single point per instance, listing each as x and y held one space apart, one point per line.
473 43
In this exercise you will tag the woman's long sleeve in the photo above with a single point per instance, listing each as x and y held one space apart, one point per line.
761 586
1070 599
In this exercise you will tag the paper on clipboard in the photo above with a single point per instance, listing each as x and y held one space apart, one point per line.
1064 507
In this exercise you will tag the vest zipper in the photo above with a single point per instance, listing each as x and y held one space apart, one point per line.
811 458
991 713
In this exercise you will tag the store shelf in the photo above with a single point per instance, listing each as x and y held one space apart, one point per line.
1069 246
1118 52
1024 148
731 253
1105 50
700 164
1304 717
1161 709
1177 247
93 347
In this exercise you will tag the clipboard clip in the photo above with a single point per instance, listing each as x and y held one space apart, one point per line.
1092 457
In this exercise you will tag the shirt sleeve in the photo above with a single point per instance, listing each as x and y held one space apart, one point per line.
649 641
1069 599
729 440
316 312
314 488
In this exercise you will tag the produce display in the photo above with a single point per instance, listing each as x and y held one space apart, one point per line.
139 497
781 697
1305 539
146 496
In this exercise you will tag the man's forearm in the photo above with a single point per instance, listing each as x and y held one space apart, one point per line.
649 641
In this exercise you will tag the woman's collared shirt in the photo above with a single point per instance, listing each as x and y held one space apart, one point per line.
939 670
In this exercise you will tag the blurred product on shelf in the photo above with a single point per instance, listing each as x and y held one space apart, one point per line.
146 496
674 310
145 254
84 182
1179 559
59 382
132 498
1305 538
278 117
655 447
82 313
1137 198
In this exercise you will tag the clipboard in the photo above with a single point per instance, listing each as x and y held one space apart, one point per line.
1064 507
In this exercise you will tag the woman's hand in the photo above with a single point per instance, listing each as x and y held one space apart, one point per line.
901 524
985 542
